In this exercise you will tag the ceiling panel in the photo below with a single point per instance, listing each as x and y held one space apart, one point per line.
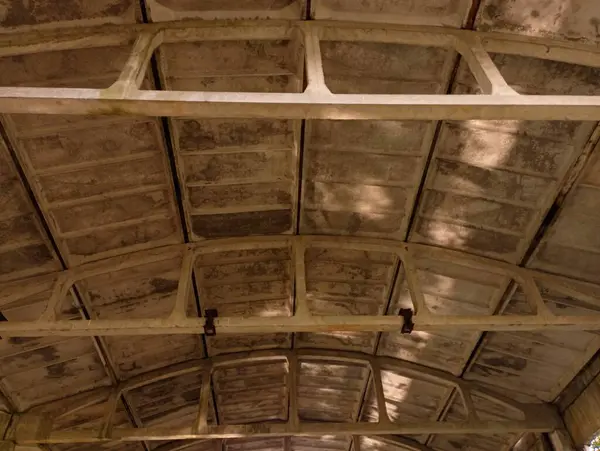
68 415
487 410
169 403
34 370
103 184
346 282
448 13
407 399
104 187
537 365
141 291
166 10
575 20
325 443
256 444
330 391
24 247
381 443
361 178
572 246
24 15
238 177
252 392
192 445
490 183
448 289
247 282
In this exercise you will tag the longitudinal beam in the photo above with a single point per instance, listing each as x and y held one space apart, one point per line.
316 324
303 430
414 258
124 97
34 428
299 106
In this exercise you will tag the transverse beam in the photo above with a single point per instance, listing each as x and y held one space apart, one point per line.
414 258
34 428
125 97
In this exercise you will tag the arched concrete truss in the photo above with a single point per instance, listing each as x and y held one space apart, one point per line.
90 417
537 312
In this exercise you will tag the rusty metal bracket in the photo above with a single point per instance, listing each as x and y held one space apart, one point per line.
408 325
209 326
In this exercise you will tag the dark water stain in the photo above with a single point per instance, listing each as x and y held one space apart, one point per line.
48 354
243 224
203 136
26 257
27 359
514 363
595 22
455 444
32 12
161 285
118 8
18 14
58 370
212 171
21 340
355 223
191 396
94 296
160 414
492 11
129 367
39 11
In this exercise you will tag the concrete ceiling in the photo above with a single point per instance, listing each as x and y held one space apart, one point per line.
77 189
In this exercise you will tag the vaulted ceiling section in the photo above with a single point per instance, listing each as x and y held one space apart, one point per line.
275 208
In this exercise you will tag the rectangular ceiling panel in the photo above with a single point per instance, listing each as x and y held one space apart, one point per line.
346 282
407 400
252 392
88 410
575 20
238 177
247 282
536 364
25 249
25 15
362 177
446 13
167 10
331 391
136 292
490 183
487 410
447 290
103 183
169 403
572 244
38 370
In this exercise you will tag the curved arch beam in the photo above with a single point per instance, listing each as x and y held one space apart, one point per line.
35 427
412 256
498 102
